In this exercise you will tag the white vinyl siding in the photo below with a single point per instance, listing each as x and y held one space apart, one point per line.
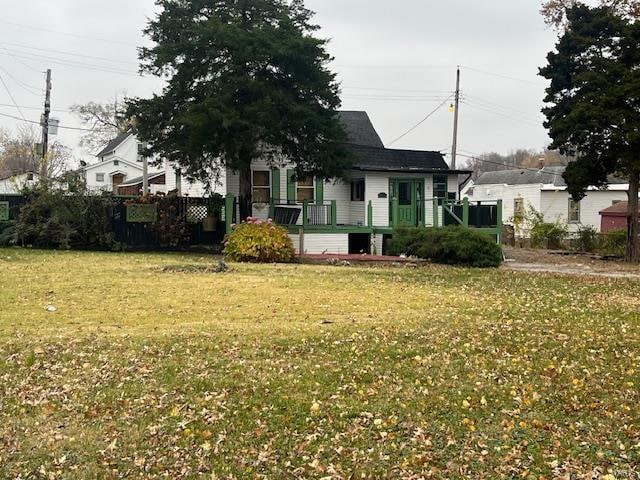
320 243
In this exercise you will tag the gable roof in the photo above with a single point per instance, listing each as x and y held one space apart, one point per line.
360 129
114 143
387 159
121 160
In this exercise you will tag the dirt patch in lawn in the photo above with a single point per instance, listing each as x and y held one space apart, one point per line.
552 261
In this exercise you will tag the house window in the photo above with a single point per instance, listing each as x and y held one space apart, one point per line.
404 193
574 211
518 208
116 162
305 189
99 177
261 186
440 186
29 176
357 190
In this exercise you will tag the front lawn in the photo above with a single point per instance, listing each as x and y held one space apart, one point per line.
115 366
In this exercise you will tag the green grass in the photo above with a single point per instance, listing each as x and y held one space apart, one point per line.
306 371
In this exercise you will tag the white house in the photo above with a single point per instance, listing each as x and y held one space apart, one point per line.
546 191
384 189
15 183
120 163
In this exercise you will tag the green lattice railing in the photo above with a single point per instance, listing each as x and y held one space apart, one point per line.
142 213
4 211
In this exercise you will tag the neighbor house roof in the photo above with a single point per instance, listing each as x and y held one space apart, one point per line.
360 129
113 144
528 176
524 176
386 159
137 180
18 174
121 160
618 209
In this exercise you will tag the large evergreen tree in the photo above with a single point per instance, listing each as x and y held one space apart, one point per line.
246 79
594 103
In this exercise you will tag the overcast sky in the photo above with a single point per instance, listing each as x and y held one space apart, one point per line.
396 60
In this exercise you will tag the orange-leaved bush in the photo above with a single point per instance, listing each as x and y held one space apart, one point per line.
259 241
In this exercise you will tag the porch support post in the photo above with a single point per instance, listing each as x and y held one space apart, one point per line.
499 226
334 213
305 211
394 211
465 211
228 211
272 208
435 213
370 214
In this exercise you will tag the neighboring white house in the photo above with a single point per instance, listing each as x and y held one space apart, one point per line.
120 162
384 189
546 191
15 183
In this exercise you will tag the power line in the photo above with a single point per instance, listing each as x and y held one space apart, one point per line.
502 114
12 99
38 123
499 106
506 165
62 52
25 86
21 62
421 121
499 75
42 29
74 64
35 108
396 90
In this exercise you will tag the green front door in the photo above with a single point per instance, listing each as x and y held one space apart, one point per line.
409 193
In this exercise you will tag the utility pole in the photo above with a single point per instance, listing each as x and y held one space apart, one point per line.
145 176
45 129
454 149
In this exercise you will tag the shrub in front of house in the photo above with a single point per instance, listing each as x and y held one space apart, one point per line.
448 245
259 241
613 242
586 239
52 218
549 235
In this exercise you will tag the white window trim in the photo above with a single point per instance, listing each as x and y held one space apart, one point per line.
263 187
569 219
312 187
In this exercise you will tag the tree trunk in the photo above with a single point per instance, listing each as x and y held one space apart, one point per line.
244 199
633 255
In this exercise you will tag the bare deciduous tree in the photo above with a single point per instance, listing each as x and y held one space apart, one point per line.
19 154
105 122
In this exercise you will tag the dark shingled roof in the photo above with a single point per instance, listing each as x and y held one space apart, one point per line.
360 129
547 175
113 144
386 159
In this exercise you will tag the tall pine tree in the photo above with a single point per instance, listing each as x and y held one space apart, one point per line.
594 103
246 79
